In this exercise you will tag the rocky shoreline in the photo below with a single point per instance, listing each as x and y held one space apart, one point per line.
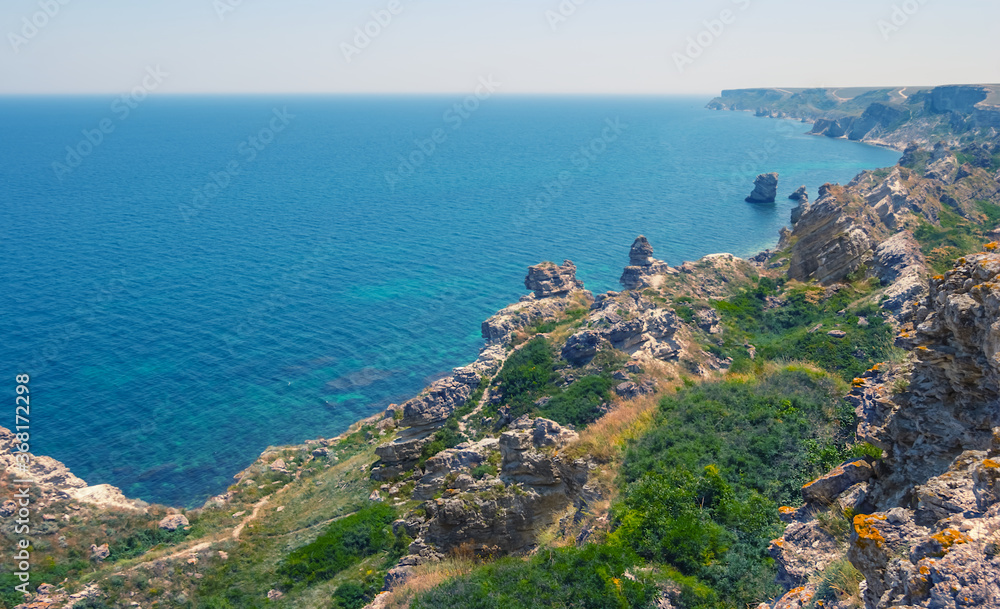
470 471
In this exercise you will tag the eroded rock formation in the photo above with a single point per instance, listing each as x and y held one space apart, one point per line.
643 270
765 189
547 279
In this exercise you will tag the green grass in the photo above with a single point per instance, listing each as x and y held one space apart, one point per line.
789 332
955 237
592 577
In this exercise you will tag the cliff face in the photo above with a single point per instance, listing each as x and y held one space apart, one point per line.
925 522
893 117
843 231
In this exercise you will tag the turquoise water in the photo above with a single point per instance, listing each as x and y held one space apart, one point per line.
184 296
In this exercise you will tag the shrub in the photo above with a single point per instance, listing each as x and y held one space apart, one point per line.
704 527
354 595
525 374
579 404
757 432
592 577
142 541
344 544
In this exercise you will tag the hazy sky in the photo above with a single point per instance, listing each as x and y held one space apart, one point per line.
529 46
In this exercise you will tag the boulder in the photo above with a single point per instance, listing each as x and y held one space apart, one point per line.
825 489
547 279
765 189
174 522
99 552
802 194
581 347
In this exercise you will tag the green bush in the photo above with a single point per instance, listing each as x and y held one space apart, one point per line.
579 404
758 432
344 544
592 577
142 541
354 595
705 481
705 528
486 469
526 374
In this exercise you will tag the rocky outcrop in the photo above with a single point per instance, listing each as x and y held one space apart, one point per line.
765 189
802 194
500 328
423 415
643 270
55 481
547 279
455 461
954 400
828 244
945 552
505 514
899 264
629 322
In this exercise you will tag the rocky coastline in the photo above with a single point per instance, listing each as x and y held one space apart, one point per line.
471 470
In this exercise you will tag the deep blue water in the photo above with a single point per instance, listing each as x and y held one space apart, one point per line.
173 329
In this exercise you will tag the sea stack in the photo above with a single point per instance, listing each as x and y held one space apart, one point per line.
765 189
547 279
643 269
800 195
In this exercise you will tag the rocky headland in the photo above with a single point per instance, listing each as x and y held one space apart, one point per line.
892 117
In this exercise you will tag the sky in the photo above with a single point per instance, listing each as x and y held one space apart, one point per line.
526 46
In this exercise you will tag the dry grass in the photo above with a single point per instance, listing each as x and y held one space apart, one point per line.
604 439
426 576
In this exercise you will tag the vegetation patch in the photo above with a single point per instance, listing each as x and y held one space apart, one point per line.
529 375
798 328
592 577
345 543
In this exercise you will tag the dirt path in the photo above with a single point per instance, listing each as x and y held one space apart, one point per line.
256 510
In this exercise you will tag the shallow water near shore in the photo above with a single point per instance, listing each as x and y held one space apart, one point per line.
217 275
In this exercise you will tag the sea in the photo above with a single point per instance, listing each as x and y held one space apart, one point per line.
189 280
